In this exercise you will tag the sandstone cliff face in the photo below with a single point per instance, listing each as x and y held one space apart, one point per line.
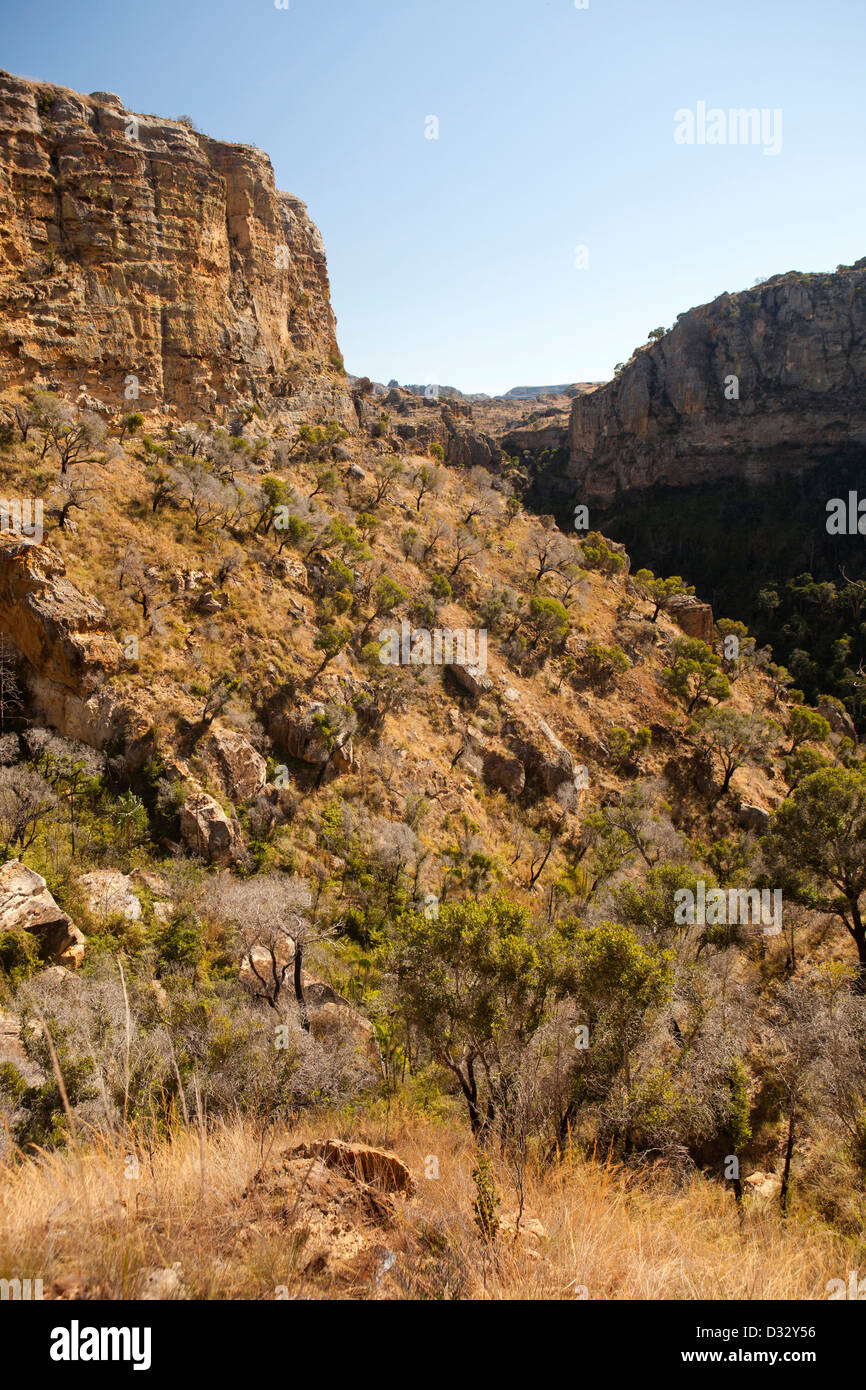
796 344
136 247
65 640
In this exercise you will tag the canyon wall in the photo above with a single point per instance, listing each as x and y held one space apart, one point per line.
135 247
796 345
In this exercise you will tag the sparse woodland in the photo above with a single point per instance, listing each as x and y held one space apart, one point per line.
444 920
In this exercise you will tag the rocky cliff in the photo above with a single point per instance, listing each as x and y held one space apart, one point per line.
754 385
140 254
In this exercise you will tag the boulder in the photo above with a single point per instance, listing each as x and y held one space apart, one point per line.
240 772
297 732
838 718
472 678
545 758
156 1285
374 1167
26 902
11 1049
208 832
333 1019
763 1185
505 773
110 894
754 818
295 571
154 883
695 618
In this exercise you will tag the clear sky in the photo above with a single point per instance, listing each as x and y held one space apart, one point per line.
452 260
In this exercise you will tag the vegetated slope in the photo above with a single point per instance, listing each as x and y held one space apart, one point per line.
741 422
258 859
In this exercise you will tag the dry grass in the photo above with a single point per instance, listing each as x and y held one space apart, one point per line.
78 1219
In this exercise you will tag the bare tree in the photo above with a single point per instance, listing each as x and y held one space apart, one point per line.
268 912
552 552
10 686
426 479
72 493
69 433
386 473
25 801
467 546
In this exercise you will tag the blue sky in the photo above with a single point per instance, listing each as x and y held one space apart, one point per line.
453 260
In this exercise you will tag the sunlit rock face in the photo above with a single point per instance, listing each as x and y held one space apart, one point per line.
135 247
755 384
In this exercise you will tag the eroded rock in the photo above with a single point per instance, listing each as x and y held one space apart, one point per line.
375 1167
239 771
208 832
110 894
25 902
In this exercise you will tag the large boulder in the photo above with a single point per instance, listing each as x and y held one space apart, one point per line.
25 902
838 718
472 678
239 771
504 773
65 640
545 758
374 1167
208 831
332 1018
110 894
693 617
753 818
297 731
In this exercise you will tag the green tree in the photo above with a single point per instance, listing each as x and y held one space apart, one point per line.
620 984
331 640
807 726
477 981
660 591
602 664
817 839
550 622
694 675
735 737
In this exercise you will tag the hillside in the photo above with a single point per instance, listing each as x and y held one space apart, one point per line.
346 801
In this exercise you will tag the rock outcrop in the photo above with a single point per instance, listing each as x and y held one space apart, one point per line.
238 769
766 382
110 894
375 1167
25 903
140 254
62 634
208 832
693 617
297 731
65 641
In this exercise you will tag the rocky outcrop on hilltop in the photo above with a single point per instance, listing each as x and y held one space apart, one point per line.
139 254
754 385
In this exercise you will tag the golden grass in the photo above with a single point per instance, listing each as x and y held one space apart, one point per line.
79 1219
